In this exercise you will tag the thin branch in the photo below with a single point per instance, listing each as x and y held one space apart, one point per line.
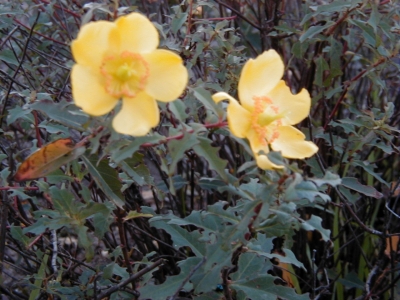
130 279
17 70
187 278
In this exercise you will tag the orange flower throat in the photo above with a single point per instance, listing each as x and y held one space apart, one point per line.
126 75
263 120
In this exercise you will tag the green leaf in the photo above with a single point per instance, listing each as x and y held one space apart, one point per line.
353 184
322 66
314 223
250 266
19 112
128 149
134 214
106 179
368 167
41 275
299 189
86 242
264 288
101 224
178 108
352 280
314 30
329 178
8 56
177 23
178 148
170 286
61 112
204 97
210 153
201 219
209 274
16 232
210 184
181 237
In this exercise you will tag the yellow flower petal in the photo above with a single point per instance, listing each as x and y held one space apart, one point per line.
259 76
92 43
137 34
295 108
89 93
167 75
239 119
256 146
292 144
137 116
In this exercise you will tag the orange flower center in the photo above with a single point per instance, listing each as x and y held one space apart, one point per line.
126 75
265 119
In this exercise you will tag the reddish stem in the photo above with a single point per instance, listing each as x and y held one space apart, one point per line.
180 136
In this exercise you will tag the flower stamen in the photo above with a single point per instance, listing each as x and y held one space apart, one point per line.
262 119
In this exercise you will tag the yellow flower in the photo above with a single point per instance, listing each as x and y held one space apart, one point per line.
119 60
267 110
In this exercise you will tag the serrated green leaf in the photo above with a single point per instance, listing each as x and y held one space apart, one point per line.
209 275
264 288
181 237
210 153
61 112
178 148
250 266
299 189
329 178
315 223
128 150
170 286
19 112
353 184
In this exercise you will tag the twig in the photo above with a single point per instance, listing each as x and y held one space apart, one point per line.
227 292
189 24
313 273
4 218
239 14
347 85
353 214
130 279
122 236
181 135
187 278
17 70
55 252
